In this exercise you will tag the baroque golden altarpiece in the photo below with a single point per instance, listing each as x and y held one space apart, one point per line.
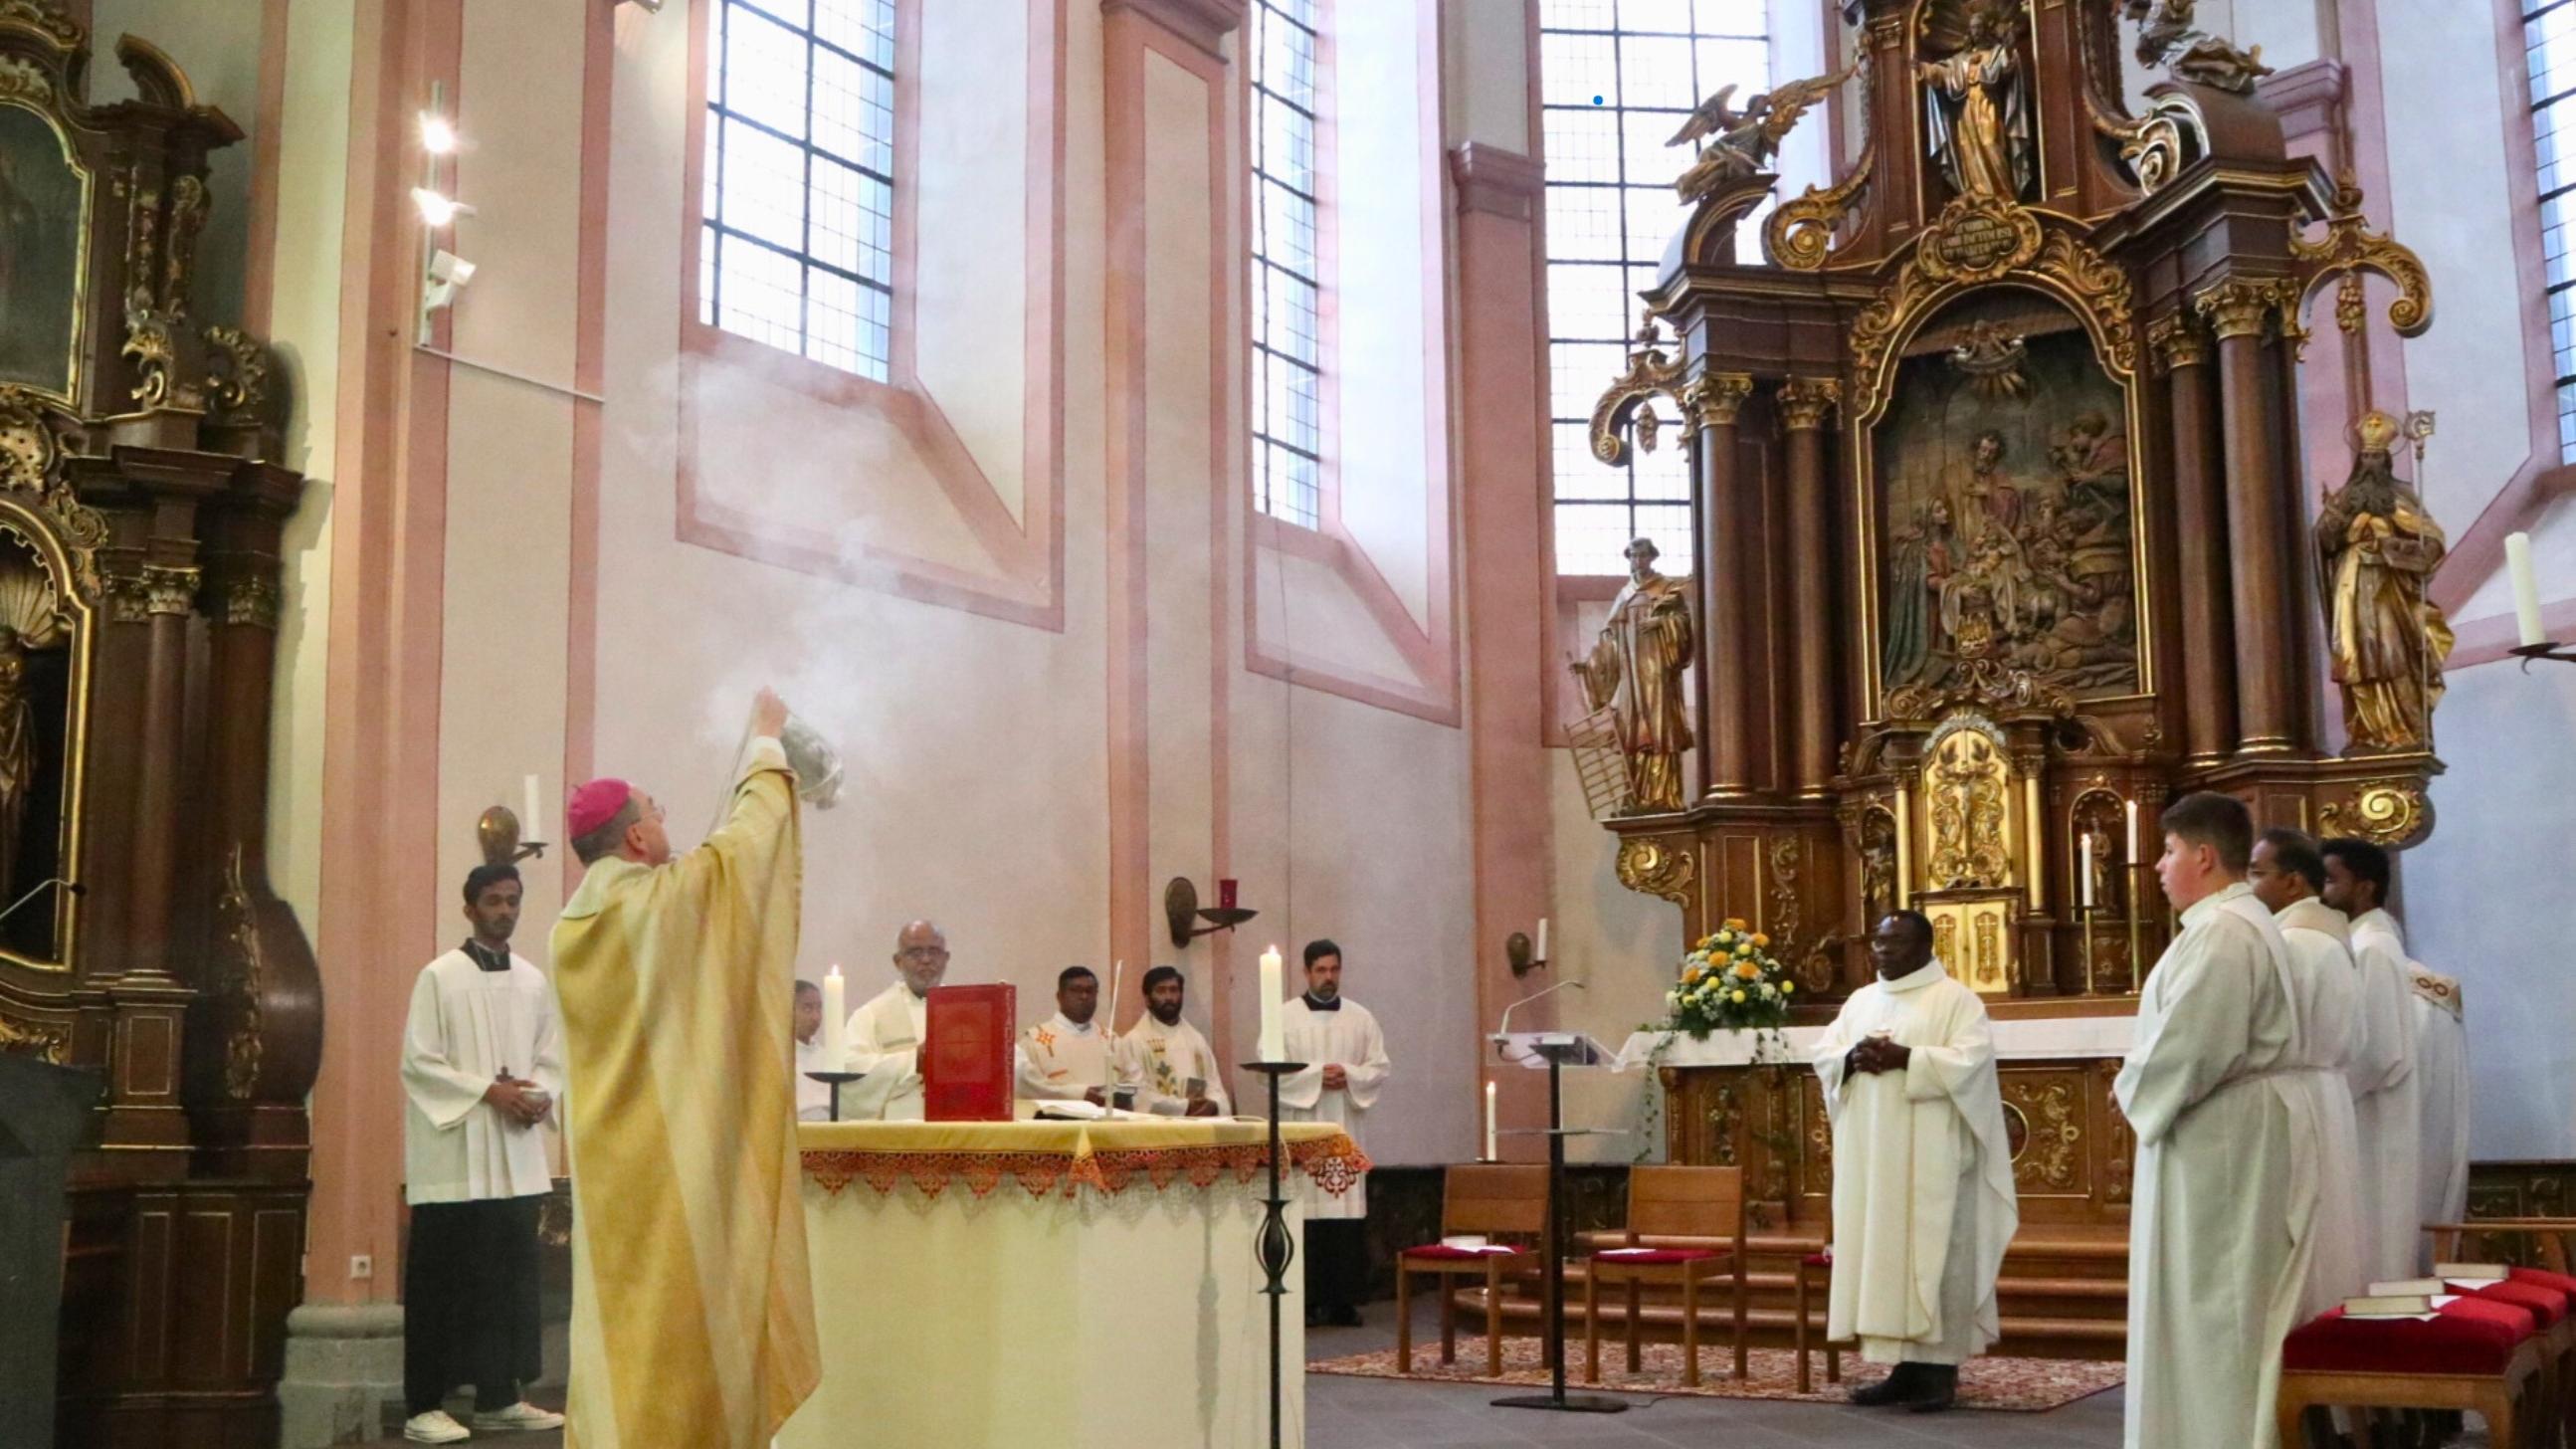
2002 536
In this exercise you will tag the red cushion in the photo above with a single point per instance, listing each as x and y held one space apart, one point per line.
2548 1306
2466 1336
1824 1259
2542 1277
1650 1257
1442 1252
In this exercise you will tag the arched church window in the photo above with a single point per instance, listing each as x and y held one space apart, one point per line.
796 245
2549 36
1287 285
1616 79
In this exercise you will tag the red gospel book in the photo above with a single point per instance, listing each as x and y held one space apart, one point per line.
966 1073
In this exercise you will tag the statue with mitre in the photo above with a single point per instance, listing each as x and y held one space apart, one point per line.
1635 672
2377 548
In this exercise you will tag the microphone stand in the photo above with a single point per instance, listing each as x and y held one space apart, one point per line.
1552 1279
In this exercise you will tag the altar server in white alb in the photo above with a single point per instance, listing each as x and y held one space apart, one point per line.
2385 1112
886 1033
2286 876
482 1065
1066 1058
1166 1060
813 1098
1346 1069
1923 1186
2442 1098
2225 1204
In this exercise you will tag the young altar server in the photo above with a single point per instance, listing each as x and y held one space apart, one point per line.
1065 1058
886 1033
2226 1186
482 1065
693 1308
1162 1056
1923 1186
2442 1097
1346 1068
2286 875
813 1098
2385 1113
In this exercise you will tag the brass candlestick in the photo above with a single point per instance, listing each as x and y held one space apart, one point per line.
2084 920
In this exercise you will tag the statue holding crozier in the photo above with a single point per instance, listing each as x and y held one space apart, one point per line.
1635 672
2377 548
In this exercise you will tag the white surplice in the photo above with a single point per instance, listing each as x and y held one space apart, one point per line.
884 1041
1348 1036
2329 1011
1059 1060
813 1098
1158 1061
467 1025
2385 1116
2442 1099
2226 1189
1924 1204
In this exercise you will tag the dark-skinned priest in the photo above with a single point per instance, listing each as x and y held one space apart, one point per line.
1923 1185
693 1311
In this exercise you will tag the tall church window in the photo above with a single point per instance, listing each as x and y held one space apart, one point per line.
2549 38
1616 79
1287 287
796 248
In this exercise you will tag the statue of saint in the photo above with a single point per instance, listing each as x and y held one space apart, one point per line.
1636 672
2376 549
1975 112
17 752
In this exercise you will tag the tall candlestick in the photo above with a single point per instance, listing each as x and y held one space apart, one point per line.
2133 832
529 828
1274 1038
1904 849
2526 589
835 1019
1490 1154
2085 875
1541 953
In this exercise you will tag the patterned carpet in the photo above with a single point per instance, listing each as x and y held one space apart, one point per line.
2008 1385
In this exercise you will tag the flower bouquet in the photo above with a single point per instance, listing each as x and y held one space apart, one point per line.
1730 982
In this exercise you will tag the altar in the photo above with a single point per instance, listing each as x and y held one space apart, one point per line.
1063 1283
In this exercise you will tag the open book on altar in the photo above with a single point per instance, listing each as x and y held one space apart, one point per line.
966 1071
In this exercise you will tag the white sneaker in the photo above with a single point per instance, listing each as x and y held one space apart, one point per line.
434 1427
521 1415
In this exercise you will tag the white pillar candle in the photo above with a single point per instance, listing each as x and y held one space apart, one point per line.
1109 1023
1541 953
2084 874
1490 1154
2526 589
2133 832
529 829
1904 849
1274 1043
2033 854
835 1019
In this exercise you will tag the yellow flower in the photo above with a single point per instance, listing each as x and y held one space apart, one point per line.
1748 970
1735 923
1739 998
1760 939
1788 986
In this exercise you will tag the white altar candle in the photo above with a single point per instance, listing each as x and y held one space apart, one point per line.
1541 953
1117 974
1490 1154
2526 588
2133 832
2084 876
1274 1044
835 1019
1904 849
528 827
2033 853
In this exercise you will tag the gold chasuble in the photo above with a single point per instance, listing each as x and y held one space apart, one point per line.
693 1311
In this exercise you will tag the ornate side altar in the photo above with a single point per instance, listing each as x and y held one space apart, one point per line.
2002 541
140 511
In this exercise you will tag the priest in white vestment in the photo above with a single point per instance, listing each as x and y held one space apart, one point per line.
2287 874
1066 1058
1165 1058
1924 1204
1346 1069
813 1098
2385 1114
886 1033
2225 1203
482 1065
2442 1096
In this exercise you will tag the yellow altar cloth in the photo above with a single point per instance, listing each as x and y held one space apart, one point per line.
1080 1284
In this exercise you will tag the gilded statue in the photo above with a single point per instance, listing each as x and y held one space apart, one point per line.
1977 107
2377 548
2167 37
1635 672
1742 144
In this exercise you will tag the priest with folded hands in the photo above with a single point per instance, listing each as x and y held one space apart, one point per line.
1923 1187
1166 1059
1066 1058
884 1041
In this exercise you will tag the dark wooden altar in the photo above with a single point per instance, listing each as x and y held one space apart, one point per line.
2001 535
140 511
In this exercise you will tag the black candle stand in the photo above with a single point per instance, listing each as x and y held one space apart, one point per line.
1274 1246
836 1079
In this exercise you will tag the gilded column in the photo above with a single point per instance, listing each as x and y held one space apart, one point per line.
1805 403
2200 519
2257 524
1725 607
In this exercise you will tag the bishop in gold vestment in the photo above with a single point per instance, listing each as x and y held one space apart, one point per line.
693 1312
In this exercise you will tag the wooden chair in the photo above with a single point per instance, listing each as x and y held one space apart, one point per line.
1816 1270
1704 1205
1486 1199
2543 1240
2445 1363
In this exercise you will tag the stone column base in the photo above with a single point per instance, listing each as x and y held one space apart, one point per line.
344 1364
